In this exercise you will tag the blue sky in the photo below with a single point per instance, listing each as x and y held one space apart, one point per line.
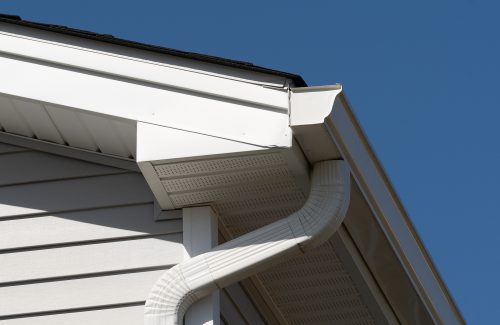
422 78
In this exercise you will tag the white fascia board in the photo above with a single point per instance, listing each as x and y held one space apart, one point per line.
343 131
237 120
147 56
156 143
141 70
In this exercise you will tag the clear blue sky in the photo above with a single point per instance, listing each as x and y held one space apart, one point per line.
423 78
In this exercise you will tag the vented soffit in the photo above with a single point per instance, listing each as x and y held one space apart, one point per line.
232 144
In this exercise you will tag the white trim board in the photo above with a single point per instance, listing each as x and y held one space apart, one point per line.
390 213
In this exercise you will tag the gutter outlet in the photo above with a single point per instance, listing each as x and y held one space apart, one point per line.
235 260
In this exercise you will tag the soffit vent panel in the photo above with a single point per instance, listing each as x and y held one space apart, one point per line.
219 165
235 183
252 190
316 288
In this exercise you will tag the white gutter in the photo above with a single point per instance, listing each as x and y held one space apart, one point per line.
316 221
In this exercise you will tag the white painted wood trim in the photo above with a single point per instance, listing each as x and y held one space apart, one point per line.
199 236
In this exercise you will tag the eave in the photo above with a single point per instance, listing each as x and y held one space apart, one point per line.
348 140
107 39
146 111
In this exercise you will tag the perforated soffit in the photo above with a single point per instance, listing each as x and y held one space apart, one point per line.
250 191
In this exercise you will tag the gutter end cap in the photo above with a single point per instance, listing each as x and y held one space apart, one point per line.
311 105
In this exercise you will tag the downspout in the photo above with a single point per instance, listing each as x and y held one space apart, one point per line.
315 222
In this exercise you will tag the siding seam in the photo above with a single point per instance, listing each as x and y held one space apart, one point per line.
86 242
86 275
72 310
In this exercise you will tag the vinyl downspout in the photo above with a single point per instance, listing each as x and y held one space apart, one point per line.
315 222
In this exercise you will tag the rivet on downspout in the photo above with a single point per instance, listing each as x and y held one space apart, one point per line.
233 261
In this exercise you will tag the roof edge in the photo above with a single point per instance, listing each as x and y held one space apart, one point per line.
333 122
106 38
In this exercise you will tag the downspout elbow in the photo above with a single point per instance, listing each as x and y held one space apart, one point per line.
235 260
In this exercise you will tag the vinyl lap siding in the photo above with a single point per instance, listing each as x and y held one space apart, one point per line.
78 241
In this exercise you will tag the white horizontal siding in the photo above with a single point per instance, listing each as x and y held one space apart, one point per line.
82 226
87 259
73 194
78 241
109 316
77 293
33 166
